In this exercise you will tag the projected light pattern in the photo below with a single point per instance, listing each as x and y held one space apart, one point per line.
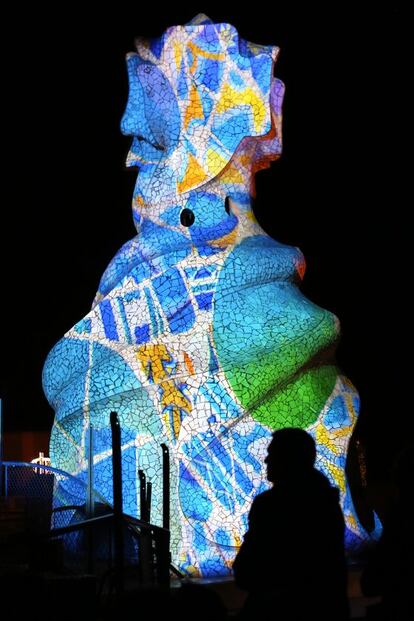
199 336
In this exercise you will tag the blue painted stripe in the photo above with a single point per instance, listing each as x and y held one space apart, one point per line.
242 479
205 301
132 295
183 319
142 334
122 313
108 320
152 312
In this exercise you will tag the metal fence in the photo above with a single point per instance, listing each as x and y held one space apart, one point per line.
83 526
63 498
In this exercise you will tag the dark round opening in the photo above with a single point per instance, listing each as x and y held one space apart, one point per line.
187 217
227 205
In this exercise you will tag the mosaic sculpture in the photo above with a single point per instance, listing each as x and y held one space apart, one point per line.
199 336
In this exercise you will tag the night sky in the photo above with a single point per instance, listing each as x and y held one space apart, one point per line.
339 192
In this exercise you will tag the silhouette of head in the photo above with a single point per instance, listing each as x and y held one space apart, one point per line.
291 453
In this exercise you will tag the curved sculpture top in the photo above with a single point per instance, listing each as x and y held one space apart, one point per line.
199 336
195 93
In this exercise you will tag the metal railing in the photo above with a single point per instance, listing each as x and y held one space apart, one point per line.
94 536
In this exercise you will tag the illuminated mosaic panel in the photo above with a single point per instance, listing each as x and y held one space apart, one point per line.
199 336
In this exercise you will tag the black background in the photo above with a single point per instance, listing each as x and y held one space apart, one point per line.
340 191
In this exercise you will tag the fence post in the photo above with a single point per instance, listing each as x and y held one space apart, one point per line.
142 496
90 504
165 487
118 510
148 502
162 543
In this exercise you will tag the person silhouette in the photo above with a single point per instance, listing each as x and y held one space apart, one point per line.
292 560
